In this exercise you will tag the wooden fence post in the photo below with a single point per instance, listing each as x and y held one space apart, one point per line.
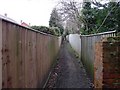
0 54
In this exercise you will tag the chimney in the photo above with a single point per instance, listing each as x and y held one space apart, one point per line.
21 21
6 14
29 24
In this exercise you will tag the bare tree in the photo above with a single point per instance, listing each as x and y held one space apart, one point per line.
70 9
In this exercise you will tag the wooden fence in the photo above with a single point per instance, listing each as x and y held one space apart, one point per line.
88 49
26 56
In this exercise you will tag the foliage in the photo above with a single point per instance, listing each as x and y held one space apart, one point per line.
56 30
43 29
101 17
51 30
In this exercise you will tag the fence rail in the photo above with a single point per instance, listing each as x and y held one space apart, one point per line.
26 55
88 49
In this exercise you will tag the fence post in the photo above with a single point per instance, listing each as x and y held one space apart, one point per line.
0 54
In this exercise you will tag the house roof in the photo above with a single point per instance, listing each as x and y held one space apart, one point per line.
25 24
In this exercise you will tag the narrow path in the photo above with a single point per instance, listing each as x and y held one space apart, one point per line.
72 73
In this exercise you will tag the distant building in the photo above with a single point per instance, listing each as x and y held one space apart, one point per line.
25 24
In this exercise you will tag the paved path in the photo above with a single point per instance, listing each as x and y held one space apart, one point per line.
72 73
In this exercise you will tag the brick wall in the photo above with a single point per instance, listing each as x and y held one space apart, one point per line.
107 64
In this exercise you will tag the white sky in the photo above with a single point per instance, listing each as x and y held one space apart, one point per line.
35 12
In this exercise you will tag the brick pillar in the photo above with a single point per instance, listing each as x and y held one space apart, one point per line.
98 66
107 65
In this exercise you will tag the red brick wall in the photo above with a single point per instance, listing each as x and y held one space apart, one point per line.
107 65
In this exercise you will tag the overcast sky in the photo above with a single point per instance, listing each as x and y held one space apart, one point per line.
36 12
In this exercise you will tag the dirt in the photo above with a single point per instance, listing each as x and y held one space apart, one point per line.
68 71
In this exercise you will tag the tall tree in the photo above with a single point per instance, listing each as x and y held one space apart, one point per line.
101 17
87 16
55 20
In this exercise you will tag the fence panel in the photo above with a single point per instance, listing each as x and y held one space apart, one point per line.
27 55
88 49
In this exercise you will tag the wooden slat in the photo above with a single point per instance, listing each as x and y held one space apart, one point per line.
34 76
29 69
26 59
20 59
15 56
23 56
40 56
0 54
4 66
39 67
10 57
30 60
37 60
